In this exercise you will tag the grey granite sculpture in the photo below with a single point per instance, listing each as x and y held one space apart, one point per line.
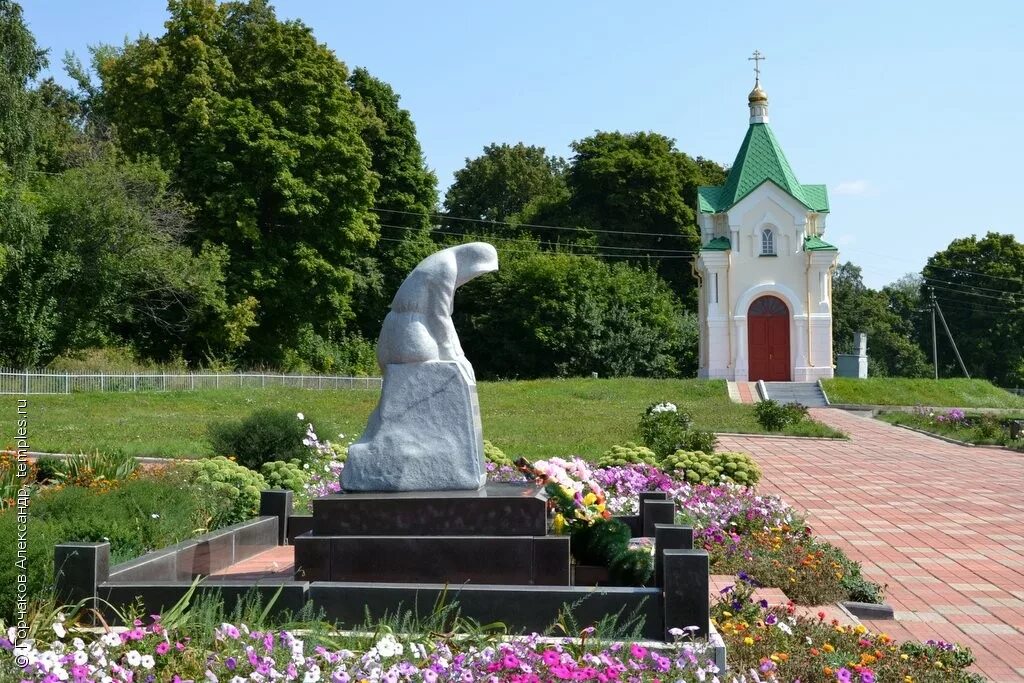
425 433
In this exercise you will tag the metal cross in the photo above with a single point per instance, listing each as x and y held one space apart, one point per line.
757 65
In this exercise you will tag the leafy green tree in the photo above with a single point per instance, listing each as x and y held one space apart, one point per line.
21 60
635 185
499 184
110 267
979 285
261 131
546 314
892 347
404 200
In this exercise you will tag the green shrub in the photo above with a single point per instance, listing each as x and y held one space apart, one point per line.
494 454
627 454
774 416
135 516
605 543
285 475
235 487
698 467
268 434
663 428
698 440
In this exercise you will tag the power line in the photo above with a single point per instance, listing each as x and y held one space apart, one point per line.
672 253
956 290
570 253
441 216
979 287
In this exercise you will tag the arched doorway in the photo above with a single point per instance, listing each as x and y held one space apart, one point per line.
768 340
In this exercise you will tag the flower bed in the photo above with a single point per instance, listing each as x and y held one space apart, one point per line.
785 647
238 653
980 429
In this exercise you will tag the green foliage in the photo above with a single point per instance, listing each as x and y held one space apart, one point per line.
351 355
634 567
666 430
494 454
22 61
235 488
559 314
259 128
888 317
605 543
774 416
698 467
499 184
627 454
47 468
94 467
281 474
978 284
135 516
267 434
110 265
639 183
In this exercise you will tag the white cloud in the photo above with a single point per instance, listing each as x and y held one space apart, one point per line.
852 187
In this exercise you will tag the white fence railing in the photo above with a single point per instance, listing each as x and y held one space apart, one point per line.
58 382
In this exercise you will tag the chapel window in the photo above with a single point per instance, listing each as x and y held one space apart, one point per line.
767 242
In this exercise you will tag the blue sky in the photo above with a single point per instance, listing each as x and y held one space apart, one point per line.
909 112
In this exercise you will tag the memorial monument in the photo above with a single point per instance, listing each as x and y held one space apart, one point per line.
425 433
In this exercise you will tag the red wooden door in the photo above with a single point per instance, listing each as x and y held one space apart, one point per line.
768 340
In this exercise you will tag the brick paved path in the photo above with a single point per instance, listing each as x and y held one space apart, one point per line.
941 524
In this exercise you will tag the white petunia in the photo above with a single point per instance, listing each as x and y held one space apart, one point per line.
147 662
133 658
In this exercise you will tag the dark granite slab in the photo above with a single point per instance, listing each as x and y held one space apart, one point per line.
495 510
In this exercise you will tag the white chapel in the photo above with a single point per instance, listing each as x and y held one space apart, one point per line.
764 271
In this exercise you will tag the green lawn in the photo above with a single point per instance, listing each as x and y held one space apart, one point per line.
946 393
535 419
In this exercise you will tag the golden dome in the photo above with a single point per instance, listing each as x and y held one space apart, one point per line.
757 94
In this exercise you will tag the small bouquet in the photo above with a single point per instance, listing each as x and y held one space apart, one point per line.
574 494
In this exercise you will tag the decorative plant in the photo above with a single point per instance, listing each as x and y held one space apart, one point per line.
291 474
697 467
627 454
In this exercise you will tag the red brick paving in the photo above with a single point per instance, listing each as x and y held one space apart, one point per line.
941 525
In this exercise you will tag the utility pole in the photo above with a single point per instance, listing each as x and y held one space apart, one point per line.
935 344
942 318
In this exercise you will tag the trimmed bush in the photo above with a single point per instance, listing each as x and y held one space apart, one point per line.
285 475
774 416
494 454
627 454
268 434
236 488
698 467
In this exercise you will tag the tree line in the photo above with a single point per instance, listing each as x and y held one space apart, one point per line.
230 193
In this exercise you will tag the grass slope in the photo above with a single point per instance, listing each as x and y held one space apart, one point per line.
946 393
535 419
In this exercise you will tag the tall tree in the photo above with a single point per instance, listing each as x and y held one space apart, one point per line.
21 60
641 190
979 284
499 184
404 200
261 131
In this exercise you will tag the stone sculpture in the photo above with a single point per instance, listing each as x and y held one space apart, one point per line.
425 433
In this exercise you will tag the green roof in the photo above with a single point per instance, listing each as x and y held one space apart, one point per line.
759 160
721 243
815 243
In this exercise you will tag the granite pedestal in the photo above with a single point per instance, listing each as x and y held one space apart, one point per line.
495 535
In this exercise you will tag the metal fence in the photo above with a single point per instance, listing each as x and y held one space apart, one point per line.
57 382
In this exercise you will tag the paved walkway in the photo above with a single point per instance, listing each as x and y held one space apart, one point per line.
942 525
